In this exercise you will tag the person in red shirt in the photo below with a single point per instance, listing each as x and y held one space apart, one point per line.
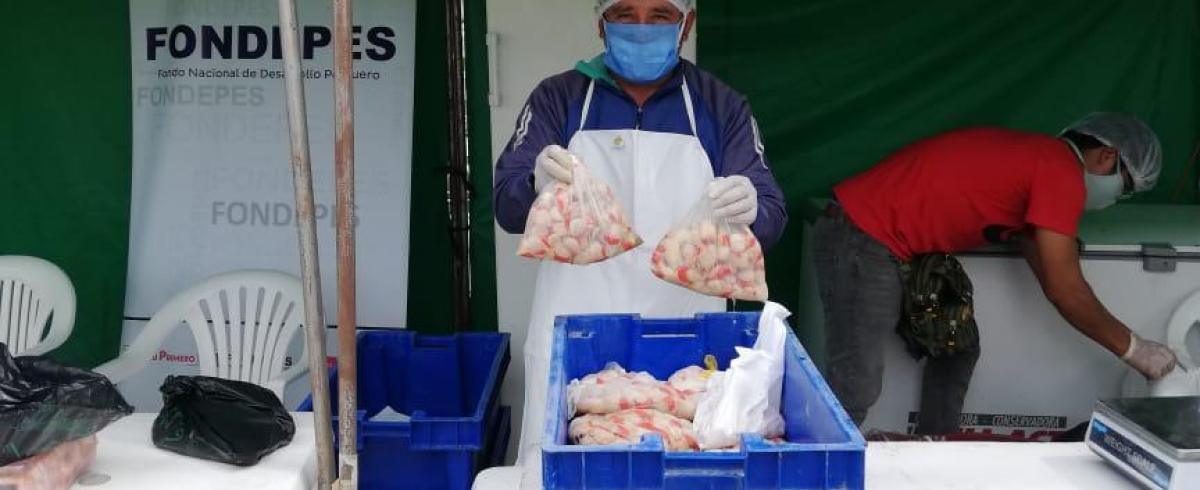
961 190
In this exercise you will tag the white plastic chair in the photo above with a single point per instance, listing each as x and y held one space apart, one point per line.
33 291
243 322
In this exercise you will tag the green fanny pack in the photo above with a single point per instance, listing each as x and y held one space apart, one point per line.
938 317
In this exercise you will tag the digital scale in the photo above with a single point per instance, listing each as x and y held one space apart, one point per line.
1154 440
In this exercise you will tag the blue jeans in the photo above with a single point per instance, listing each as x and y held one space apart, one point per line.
861 291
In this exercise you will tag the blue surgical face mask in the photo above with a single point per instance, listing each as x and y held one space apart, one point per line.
641 53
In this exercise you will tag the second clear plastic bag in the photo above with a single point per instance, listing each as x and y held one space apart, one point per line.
577 223
712 256
613 389
628 427
56 469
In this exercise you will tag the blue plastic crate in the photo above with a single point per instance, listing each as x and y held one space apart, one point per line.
449 386
824 451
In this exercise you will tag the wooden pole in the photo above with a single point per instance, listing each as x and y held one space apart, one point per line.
306 224
343 156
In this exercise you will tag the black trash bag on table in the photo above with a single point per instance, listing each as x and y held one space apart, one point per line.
44 403
221 420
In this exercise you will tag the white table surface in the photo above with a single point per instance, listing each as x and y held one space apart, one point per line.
990 465
953 466
129 460
501 478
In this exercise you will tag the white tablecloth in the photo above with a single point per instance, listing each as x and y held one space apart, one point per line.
953 466
127 458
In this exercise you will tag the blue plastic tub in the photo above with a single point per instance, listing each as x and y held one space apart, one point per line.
824 450
449 386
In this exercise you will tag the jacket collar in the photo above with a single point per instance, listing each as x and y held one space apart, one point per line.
595 69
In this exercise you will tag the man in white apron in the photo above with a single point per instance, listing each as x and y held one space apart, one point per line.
664 135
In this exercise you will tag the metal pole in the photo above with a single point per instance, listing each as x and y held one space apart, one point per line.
343 156
306 224
459 173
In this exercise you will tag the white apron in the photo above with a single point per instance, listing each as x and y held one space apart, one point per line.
658 177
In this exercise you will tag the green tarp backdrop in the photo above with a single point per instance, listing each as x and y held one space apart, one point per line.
835 84
430 289
65 155
838 84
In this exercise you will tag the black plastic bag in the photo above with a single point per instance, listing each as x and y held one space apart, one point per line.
44 403
221 420
938 308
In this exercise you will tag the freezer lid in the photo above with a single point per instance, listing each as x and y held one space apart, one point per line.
1120 230
1127 226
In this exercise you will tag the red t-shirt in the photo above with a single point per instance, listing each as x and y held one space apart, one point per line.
959 190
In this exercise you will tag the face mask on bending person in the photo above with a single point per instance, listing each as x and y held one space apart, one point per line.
1103 190
1120 155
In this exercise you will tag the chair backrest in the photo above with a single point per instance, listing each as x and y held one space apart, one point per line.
37 305
243 322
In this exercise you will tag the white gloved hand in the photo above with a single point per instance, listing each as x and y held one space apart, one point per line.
552 164
1150 358
734 198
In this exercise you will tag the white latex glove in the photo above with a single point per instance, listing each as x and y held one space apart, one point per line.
734 198
1150 358
553 164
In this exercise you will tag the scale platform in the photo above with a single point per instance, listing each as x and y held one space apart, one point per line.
1154 440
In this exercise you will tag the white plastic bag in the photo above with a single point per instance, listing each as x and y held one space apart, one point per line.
746 397
712 257
577 223
1178 382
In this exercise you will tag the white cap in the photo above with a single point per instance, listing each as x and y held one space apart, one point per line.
1134 140
684 6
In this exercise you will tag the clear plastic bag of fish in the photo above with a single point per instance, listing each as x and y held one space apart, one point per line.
711 256
628 427
577 223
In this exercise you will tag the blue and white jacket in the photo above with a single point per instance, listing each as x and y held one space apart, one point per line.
726 128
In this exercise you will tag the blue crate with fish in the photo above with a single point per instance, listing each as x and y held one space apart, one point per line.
822 448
